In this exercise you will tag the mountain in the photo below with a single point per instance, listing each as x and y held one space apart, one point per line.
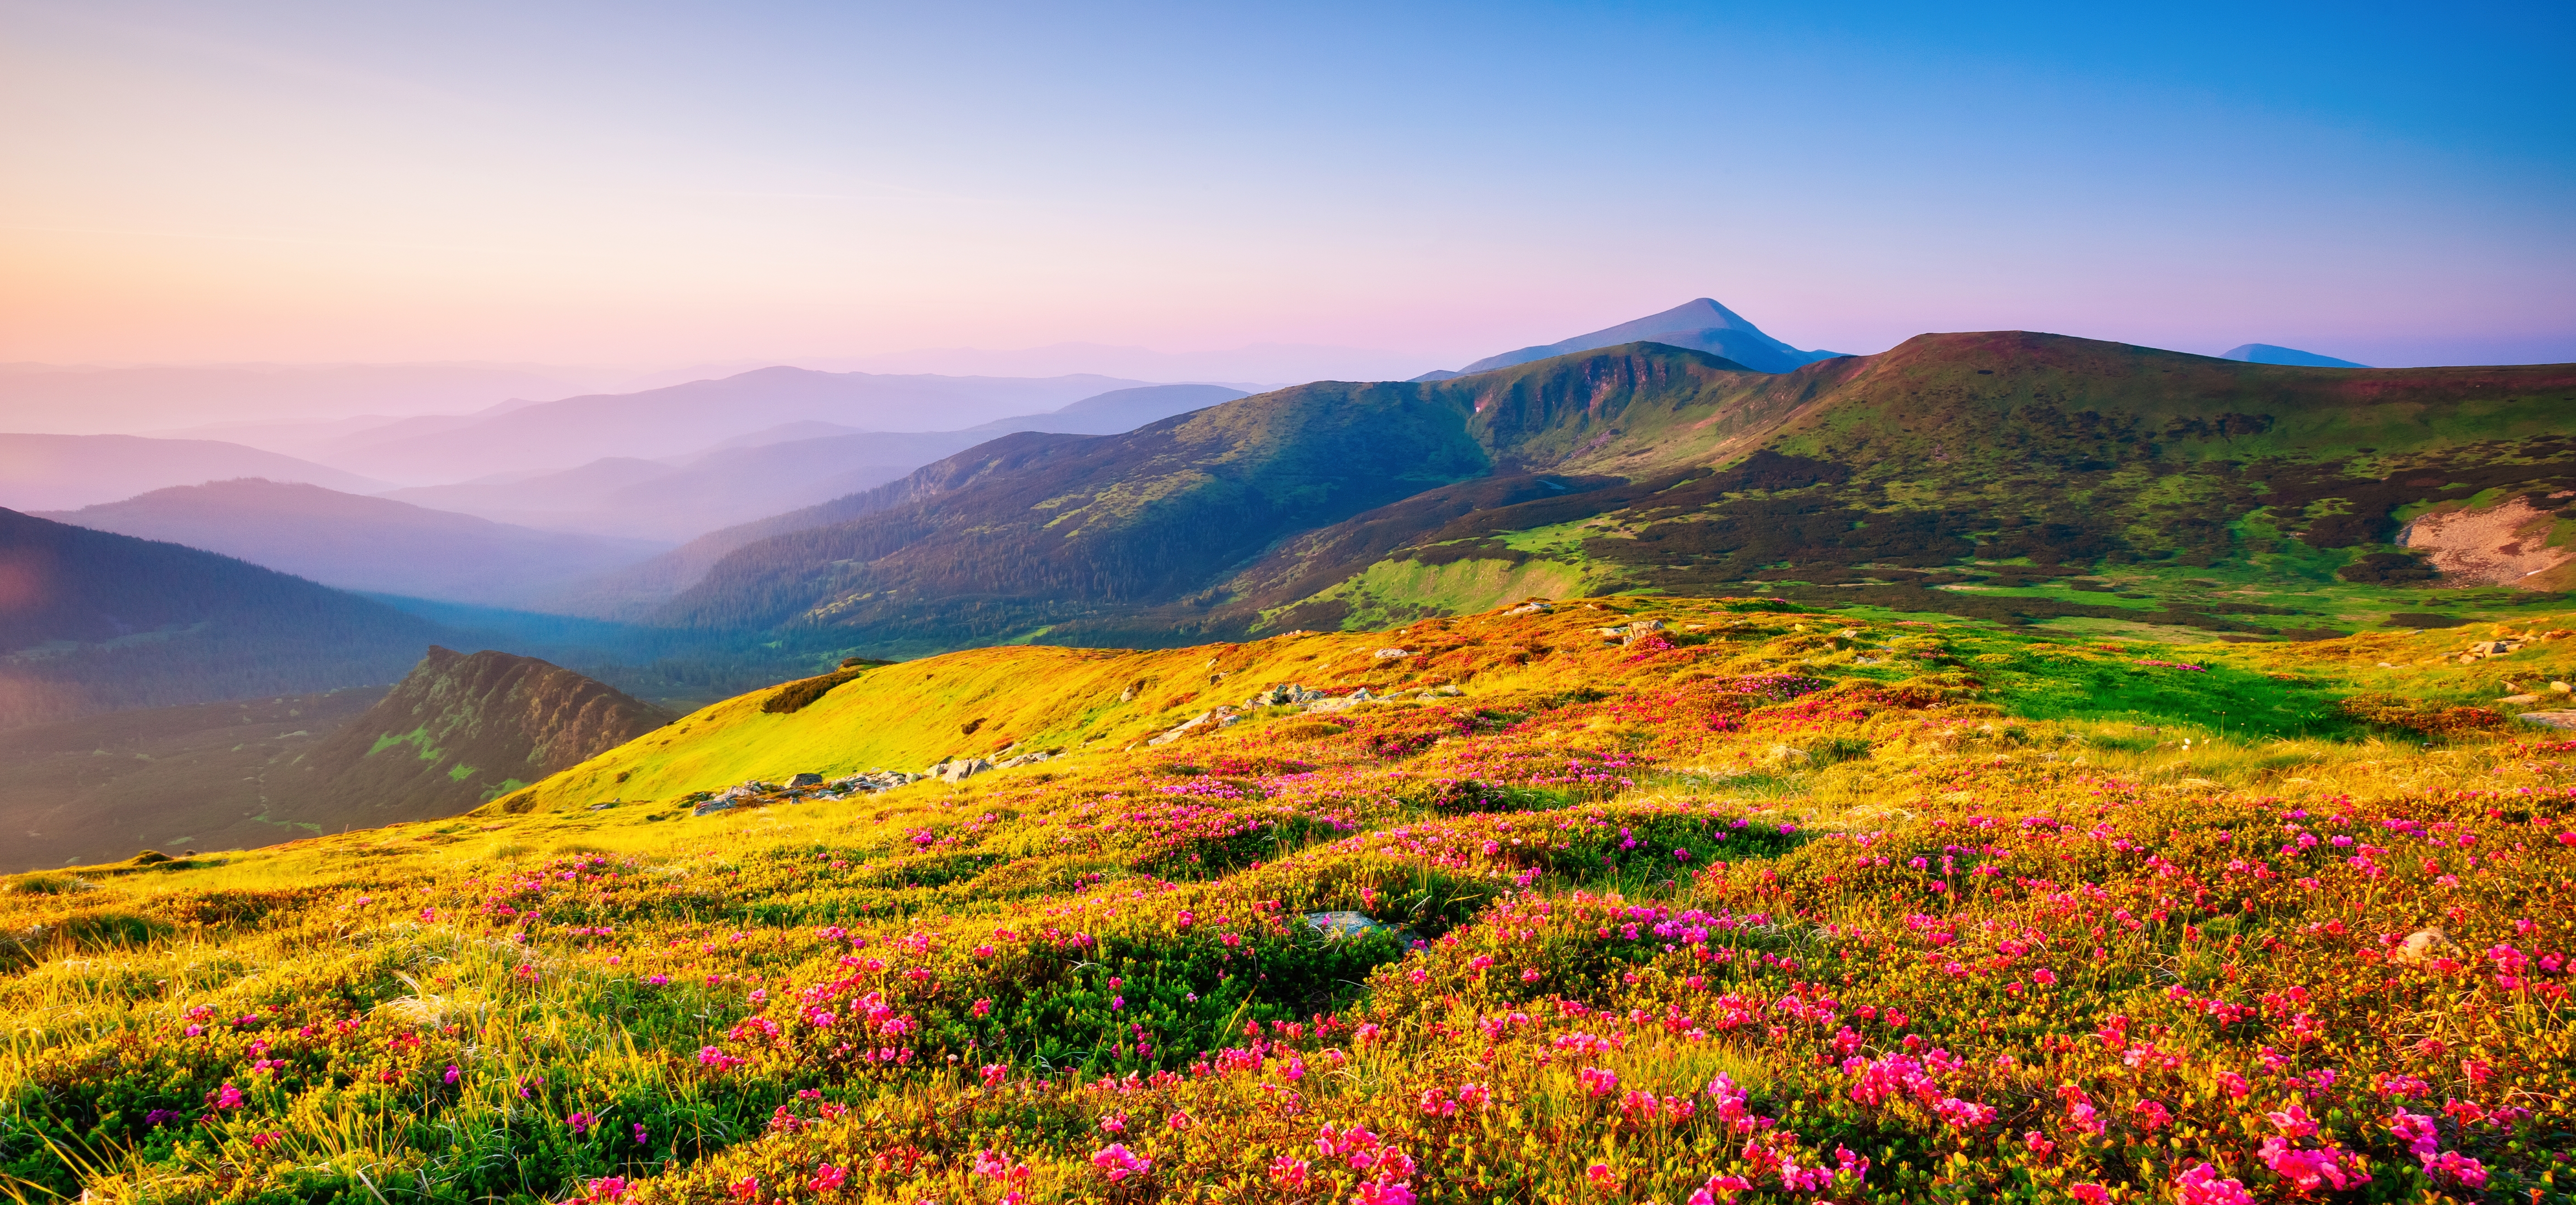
60 472
203 776
91 621
462 728
2266 353
770 471
75 399
682 419
1889 479
1117 410
217 776
639 499
368 544
1701 325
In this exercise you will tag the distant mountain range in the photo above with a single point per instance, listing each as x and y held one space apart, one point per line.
365 544
1701 325
77 399
769 471
2266 353
682 419
61 472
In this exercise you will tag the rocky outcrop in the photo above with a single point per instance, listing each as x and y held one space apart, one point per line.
464 728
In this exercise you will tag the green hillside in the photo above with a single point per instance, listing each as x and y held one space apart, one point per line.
2018 477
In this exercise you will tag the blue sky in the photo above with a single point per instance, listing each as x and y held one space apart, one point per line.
662 184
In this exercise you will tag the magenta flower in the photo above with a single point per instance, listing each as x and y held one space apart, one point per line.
1117 1162
828 1178
2202 1185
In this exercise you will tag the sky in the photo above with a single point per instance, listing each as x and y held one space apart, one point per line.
656 186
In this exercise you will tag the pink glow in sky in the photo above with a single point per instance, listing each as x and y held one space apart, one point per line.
650 187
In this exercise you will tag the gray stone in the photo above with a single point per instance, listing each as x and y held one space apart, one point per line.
959 771
806 780
2549 719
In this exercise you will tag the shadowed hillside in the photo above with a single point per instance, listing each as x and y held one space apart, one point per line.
91 621
355 543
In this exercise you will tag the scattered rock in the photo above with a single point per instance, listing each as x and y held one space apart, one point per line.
1344 703
2549 719
959 771
1217 718
1284 695
2558 688
710 806
805 780
2519 699
2423 945
1391 654
1025 759
1342 926
1532 607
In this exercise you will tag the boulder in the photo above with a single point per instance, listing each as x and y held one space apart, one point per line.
1391 654
959 771
2423 945
2549 719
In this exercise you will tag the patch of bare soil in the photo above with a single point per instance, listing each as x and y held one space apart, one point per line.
2498 546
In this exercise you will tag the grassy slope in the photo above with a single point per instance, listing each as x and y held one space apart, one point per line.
588 972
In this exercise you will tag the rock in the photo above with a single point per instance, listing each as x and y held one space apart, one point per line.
2558 688
1391 654
720 803
2549 719
1344 703
1639 630
2519 699
1025 759
1342 926
1284 695
601 807
806 780
959 771
1217 718
1532 607
2423 945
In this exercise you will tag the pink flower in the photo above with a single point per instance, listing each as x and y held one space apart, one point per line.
1383 1192
2089 1193
2044 977
2293 1121
995 1073
1288 1173
2416 1131
744 1189
1118 1163
828 1178
1480 962
2308 1169
581 1123
228 1096
610 1188
1601 1176
1600 1081
2455 1166
1728 1185
2201 1185
1115 1123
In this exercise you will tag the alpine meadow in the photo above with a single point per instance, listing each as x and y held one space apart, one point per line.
1020 604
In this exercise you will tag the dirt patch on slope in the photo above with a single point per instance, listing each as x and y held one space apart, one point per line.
2498 546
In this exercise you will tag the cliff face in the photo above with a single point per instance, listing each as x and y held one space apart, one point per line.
463 728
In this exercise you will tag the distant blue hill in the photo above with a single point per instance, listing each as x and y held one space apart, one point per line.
2266 353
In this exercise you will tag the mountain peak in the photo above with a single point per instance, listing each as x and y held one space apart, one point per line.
1700 324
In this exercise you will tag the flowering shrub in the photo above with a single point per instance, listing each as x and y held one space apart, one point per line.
1724 915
